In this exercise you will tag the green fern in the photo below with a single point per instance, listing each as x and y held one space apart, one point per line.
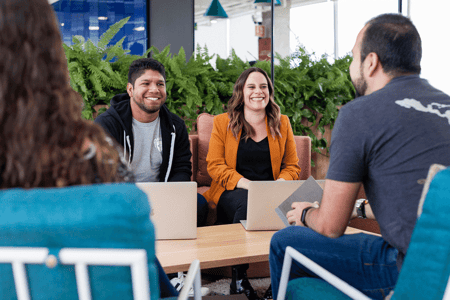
91 72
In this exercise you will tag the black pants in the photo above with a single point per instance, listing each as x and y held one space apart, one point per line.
232 208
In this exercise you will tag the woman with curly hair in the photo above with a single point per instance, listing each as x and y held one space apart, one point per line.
44 141
253 141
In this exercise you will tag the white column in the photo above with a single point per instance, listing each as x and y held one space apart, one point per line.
336 46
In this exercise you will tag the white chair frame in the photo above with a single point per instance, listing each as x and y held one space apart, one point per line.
136 259
329 277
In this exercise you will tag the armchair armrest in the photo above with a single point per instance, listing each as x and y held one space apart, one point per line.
332 279
193 141
303 144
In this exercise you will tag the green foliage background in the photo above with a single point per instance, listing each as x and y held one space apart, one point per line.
305 88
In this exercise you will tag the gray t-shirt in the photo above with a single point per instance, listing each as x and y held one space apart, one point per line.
388 140
147 152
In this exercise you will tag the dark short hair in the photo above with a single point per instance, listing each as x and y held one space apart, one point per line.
396 41
139 66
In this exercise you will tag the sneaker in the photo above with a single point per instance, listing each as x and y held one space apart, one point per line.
178 283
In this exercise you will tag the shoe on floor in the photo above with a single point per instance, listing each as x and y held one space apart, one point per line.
178 283
242 286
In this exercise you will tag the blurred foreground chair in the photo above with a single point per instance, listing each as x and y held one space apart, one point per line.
80 242
426 268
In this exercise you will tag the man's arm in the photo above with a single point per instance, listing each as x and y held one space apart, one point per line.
332 217
107 123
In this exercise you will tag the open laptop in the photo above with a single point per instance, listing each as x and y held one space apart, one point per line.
263 198
174 208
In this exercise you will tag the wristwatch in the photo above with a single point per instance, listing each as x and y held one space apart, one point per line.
303 218
361 208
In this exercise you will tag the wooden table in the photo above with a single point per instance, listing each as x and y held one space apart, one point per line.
218 246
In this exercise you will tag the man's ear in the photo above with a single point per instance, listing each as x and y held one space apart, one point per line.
130 90
372 63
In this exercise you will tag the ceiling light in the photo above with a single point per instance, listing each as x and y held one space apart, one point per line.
94 28
103 18
140 28
62 24
215 10
267 2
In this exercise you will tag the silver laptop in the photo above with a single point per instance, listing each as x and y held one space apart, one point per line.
174 208
263 198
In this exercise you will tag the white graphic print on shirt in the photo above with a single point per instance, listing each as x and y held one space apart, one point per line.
430 108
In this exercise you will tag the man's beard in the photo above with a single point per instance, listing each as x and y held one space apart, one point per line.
147 109
360 85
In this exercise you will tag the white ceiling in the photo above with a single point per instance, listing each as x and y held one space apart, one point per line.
236 8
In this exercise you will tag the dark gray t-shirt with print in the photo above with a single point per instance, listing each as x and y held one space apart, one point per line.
388 140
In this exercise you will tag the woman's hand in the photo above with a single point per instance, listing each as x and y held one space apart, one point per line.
243 183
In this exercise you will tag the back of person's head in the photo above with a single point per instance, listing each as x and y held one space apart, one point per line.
236 106
396 41
139 66
42 135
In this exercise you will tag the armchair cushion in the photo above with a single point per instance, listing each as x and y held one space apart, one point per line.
95 216
313 288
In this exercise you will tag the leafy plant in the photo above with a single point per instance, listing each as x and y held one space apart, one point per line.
98 72
308 90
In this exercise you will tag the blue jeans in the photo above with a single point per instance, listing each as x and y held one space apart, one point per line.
165 287
364 261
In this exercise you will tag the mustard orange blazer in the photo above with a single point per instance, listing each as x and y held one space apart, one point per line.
222 155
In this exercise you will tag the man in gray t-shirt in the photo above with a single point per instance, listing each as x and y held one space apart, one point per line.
155 140
386 140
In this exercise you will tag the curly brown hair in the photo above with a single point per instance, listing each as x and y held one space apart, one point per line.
43 137
236 108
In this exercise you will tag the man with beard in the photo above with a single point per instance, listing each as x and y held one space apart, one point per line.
155 141
386 140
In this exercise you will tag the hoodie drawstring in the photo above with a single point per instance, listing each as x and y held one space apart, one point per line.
124 145
172 147
129 147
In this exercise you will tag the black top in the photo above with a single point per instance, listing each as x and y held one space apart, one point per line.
253 160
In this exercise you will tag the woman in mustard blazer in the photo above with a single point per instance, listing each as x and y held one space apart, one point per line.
253 141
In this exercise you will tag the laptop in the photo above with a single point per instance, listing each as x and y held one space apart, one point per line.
174 208
263 198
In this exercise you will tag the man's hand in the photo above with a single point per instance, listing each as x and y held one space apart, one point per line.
294 216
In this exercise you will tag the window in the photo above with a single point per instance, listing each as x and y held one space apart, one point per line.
91 18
